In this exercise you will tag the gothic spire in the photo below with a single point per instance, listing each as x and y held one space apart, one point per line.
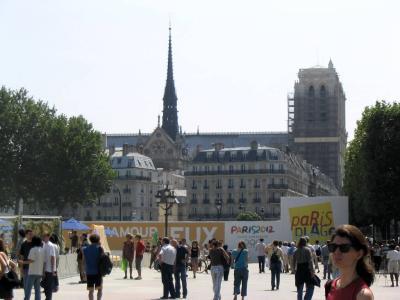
170 111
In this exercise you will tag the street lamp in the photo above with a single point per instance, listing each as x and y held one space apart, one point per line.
166 197
116 189
218 205
262 213
241 207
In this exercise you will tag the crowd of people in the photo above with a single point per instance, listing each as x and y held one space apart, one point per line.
348 262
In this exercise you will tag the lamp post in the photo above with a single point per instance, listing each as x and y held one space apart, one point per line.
165 197
116 189
218 205
262 213
241 207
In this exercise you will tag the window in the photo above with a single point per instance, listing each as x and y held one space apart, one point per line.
322 91
230 183
311 92
205 184
230 169
243 168
242 183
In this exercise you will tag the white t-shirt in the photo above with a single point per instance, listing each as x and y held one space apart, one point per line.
168 254
260 249
37 255
49 250
393 255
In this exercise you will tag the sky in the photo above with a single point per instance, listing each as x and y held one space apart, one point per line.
234 61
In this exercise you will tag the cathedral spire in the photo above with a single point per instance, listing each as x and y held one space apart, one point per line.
170 111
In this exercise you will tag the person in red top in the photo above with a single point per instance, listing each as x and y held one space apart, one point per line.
140 247
349 249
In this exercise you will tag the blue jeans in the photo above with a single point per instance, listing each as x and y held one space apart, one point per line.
241 276
309 291
32 281
276 269
217 272
180 274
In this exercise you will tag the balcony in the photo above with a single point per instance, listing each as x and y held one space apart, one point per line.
206 201
274 200
206 187
281 186
235 172
230 200
257 200
134 177
242 200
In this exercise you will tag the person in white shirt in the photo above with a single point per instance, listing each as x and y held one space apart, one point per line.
35 271
49 265
260 252
166 258
393 258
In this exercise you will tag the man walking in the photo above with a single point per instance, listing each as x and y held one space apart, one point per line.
49 250
26 246
260 251
180 269
140 247
91 257
325 260
167 258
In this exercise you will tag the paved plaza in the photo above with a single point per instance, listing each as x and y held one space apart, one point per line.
116 288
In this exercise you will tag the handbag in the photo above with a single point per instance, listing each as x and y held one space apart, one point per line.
315 280
10 280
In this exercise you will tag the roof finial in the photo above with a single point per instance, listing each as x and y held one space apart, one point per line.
158 123
330 64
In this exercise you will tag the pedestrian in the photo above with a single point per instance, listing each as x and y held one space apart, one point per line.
54 239
140 248
285 261
182 254
303 264
317 257
194 257
91 258
73 236
241 273
260 252
49 252
6 265
81 266
128 252
325 260
167 258
153 255
393 257
313 255
291 250
349 248
26 246
377 256
219 258
35 262
275 257
227 267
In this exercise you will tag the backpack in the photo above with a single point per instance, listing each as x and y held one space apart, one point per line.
105 264
274 258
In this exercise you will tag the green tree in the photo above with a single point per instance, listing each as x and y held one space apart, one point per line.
48 160
248 216
372 168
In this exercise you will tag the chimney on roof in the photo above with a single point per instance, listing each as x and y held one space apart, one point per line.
111 150
126 148
254 145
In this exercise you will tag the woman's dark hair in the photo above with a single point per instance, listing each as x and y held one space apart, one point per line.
2 247
302 242
54 238
358 242
242 245
36 241
21 233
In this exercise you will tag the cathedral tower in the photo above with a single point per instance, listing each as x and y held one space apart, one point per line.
318 131
170 111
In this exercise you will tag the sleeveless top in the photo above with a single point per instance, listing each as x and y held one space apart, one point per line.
347 293
194 252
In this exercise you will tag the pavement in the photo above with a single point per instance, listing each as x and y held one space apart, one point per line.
200 288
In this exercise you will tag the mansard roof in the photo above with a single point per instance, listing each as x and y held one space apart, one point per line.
130 161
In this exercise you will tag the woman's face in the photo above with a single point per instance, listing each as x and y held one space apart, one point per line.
345 259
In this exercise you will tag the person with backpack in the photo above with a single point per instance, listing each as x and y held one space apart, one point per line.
241 274
275 257
91 258
219 259
304 268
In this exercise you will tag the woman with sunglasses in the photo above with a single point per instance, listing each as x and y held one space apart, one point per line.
349 250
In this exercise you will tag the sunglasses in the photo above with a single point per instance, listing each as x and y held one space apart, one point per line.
344 248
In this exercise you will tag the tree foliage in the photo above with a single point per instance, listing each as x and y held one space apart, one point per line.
248 216
50 160
372 168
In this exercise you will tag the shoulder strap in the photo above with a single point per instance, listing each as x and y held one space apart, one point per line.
237 257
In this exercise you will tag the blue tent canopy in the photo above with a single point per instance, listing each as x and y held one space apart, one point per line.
73 224
5 225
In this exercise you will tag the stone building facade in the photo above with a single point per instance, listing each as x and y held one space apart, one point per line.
248 179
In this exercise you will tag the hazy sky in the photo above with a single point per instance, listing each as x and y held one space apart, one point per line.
234 61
